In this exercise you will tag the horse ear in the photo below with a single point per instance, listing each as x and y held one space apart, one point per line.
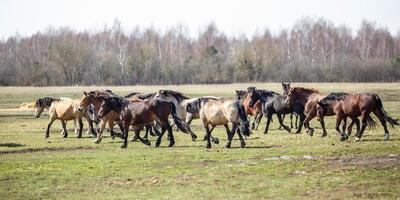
85 93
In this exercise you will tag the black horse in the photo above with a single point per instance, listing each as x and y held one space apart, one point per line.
273 103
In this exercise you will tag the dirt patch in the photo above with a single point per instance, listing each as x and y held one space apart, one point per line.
46 149
367 161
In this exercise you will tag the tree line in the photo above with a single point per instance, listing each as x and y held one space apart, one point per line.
310 51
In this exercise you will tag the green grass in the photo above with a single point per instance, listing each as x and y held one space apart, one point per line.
272 166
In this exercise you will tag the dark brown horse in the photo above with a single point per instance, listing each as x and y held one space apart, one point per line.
141 113
286 89
308 98
360 104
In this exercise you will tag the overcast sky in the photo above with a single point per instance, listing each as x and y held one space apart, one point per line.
231 16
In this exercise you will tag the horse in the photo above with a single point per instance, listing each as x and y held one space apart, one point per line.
272 103
286 89
96 98
355 105
222 112
63 110
143 112
309 98
193 112
180 101
250 111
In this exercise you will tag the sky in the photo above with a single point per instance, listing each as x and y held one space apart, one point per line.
233 17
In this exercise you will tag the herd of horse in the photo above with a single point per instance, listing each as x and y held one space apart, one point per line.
152 112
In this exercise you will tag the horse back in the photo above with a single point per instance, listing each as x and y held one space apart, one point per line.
219 112
355 104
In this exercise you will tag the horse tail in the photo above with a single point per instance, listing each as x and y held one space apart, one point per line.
386 115
183 126
242 112
371 122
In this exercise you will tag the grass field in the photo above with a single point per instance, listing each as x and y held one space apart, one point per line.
278 165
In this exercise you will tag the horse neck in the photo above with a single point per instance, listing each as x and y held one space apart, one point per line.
307 96
97 101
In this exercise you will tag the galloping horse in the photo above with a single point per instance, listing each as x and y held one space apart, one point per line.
63 110
309 99
141 113
180 101
273 104
250 111
222 112
354 105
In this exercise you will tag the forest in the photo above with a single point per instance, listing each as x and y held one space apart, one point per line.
312 50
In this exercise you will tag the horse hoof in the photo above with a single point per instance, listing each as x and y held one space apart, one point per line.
324 135
228 145
134 139
96 141
357 139
242 145
65 136
208 146
147 142
216 141
311 133
124 146
386 137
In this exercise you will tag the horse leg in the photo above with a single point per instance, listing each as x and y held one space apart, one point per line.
259 116
302 117
111 126
230 136
52 119
100 132
214 140
269 116
296 120
62 131
364 117
64 126
75 129
135 136
208 135
143 140
344 124
354 120
280 124
125 132
291 120
280 120
322 122
242 142
158 142
253 125
339 118
80 127
380 115
171 136
309 117
205 136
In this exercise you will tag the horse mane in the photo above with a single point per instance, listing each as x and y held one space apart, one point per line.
195 106
146 96
267 93
302 89
176 94
46 101
101 93
334 96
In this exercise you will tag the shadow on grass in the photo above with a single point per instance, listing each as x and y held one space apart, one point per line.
11 145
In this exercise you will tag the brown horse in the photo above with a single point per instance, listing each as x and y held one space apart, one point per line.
255 111
360 104
309 98
286 89
141 113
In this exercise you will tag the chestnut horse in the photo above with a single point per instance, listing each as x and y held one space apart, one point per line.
286 89
360 104
250 111
141 113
